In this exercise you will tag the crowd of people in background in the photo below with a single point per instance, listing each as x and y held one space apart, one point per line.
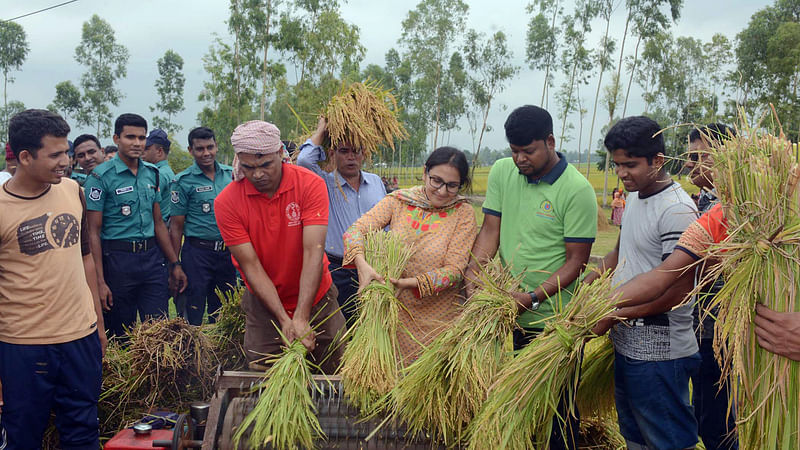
94 239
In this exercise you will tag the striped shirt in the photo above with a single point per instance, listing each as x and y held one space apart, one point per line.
651 227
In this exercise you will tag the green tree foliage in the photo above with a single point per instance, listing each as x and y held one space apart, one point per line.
13 107
179 158
430 32
768 64
255 26
13 51
543 40
603 62
67 101
169 86
647 18
105 61
576 59
226 106
489 61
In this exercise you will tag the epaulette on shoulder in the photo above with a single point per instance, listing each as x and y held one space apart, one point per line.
226 167
100 170
180 175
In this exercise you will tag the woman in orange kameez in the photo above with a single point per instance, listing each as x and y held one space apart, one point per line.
440 225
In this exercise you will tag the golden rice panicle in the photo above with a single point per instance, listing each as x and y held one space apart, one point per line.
443 389
756 177
521 405
284 416
596 389
370 366
364 115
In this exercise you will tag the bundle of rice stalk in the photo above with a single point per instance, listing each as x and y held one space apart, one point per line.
370 363
364 115
756 176
596 389
173 361
227 332
443 389
521 406
600 433
119 403
284 416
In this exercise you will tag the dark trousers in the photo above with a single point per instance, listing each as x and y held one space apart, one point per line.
714 425
563 436
206 270
64 378
138 283
346 281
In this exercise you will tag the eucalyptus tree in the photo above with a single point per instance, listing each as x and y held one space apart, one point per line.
490 63
431 31
543 40
13 51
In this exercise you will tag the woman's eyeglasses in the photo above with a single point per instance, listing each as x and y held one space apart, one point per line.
437 183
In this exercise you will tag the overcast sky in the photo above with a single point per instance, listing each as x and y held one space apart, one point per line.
149 27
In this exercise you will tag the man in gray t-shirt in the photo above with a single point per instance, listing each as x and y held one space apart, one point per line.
655 348
651 226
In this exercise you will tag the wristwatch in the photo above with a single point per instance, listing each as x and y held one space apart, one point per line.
173 264
534 301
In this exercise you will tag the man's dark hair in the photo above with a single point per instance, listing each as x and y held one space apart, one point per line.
716 132
201 133
86 137
453 157
635 135
131 120
527 124
27 129
110 149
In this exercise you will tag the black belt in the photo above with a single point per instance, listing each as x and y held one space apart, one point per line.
334 259
217 246
130 246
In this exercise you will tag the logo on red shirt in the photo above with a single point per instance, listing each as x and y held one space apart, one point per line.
293 214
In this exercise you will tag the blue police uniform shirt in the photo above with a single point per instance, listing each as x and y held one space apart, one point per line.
126 200
192 195
167 175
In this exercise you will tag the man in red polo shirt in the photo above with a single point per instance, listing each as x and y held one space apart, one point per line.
274 219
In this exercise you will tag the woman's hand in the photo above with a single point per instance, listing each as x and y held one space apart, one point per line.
366 274
405 283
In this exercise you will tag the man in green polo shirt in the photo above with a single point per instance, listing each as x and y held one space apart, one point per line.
156 151
541 215
206 260
128 237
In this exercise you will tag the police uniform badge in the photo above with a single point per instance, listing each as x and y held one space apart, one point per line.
95 194
206 207
174 197
126 210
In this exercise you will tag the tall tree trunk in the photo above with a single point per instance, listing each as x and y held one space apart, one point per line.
597 97
568 103
480 138
611 113
550 56
236 65
580 122
633 71
264 68
5 103
438 104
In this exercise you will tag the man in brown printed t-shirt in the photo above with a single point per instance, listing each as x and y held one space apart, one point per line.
51 327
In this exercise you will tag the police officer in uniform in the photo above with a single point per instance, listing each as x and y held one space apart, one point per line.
156 151
128 235
206 260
